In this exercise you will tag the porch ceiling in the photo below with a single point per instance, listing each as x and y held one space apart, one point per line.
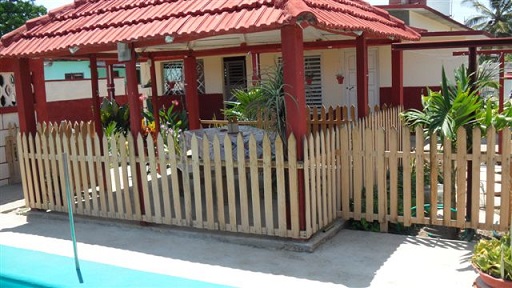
96 26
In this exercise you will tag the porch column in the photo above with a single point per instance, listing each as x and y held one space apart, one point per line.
96 116
132 91
111 87
397 76
292 44
37 69
256 77
191 95
24 96
362 76
154 92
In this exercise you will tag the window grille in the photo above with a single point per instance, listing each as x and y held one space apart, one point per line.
174 77
7 90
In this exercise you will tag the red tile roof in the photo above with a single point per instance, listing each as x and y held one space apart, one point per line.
93 23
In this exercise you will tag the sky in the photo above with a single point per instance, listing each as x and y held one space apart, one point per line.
460 12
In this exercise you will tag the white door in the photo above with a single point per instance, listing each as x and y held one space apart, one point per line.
350 95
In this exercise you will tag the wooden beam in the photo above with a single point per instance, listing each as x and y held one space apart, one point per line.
132 92
501 42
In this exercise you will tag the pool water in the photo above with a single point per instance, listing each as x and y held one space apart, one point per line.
28 268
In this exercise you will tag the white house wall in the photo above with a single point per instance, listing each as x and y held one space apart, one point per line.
79 89
420 21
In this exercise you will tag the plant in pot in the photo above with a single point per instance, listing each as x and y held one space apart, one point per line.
309 76
340 78
492 258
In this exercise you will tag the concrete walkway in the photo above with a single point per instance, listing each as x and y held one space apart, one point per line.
349 259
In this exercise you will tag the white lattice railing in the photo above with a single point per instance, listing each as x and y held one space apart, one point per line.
7 90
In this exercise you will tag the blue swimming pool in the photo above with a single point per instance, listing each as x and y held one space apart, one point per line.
27 268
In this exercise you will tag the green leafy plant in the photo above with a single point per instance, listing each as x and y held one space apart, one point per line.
494 257
115 118
173 122
266 100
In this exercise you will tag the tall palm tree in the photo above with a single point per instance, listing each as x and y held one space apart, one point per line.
495 18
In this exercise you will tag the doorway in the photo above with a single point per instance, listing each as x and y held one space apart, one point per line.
350 98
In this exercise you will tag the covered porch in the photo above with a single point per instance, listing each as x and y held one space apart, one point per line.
178 30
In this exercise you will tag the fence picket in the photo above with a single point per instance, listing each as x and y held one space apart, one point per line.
230 181
89 155
134 167
393 175
345 137
208 187
407 173
293 187
280 187
433 179
40 153
164 190
36 194
174 179
219 183
255 187
312 169
420 172
447 181
357 171
124 190
475 189
196 175
267 176
381 180
506 174
461 166
490 177
242 184
369 166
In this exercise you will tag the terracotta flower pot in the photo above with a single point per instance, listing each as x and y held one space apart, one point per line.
309 80
340 79
493 282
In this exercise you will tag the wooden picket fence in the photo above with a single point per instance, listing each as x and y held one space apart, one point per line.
324 118
136 180
376 170
402 185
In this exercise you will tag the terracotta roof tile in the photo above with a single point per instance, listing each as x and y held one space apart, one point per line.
99 22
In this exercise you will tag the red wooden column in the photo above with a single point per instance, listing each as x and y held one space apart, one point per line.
362 76
132 91
24 96
154 92
37 69
296 114
397 74
95 89
191 95
256 77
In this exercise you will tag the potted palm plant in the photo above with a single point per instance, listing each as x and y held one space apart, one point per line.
492 258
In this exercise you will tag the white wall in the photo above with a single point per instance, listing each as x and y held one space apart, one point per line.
79 89
5 120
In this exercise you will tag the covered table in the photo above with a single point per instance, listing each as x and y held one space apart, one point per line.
222 132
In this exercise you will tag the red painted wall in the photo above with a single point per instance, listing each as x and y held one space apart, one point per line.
412 96
81 110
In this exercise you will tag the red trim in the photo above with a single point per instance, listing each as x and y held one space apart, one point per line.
293 74
507 42
7 110
24 96
397 77
485 52
456 33
362 76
